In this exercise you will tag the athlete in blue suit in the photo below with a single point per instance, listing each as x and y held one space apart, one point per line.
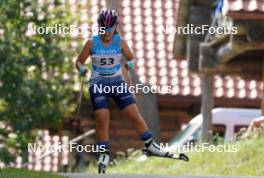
105 51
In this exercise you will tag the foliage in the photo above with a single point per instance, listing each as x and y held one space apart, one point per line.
33 90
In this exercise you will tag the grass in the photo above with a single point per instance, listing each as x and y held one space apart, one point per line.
247 161
23 173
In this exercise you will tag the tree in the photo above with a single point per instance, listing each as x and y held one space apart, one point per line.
34 92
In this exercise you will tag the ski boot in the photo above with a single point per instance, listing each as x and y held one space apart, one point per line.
103 163
154 149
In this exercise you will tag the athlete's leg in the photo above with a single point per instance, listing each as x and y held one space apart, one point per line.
100 105
102 116
102 134
127 104
102 124
132 113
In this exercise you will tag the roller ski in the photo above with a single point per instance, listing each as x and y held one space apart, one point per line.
103 163
154 150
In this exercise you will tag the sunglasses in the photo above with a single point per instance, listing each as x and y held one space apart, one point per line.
109 30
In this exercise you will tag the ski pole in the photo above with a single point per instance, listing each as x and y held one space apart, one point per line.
80 97
75 123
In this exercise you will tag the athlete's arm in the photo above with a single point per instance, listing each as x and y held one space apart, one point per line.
129 56
84 54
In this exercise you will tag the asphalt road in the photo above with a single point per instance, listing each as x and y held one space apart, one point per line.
81 175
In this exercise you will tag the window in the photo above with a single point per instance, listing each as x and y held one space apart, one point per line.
219 129
238 127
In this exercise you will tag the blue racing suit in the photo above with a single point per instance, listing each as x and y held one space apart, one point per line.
106 79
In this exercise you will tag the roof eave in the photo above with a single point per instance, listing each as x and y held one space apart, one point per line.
255 15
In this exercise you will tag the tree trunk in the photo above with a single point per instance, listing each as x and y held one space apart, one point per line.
262 102
207 106
147 103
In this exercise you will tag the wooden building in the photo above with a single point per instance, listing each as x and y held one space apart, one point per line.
237 53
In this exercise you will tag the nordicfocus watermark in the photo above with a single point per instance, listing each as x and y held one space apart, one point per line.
191 29
203 147
61 29
66 148
124 88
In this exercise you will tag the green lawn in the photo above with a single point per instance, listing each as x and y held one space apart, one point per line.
23 173
247 161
